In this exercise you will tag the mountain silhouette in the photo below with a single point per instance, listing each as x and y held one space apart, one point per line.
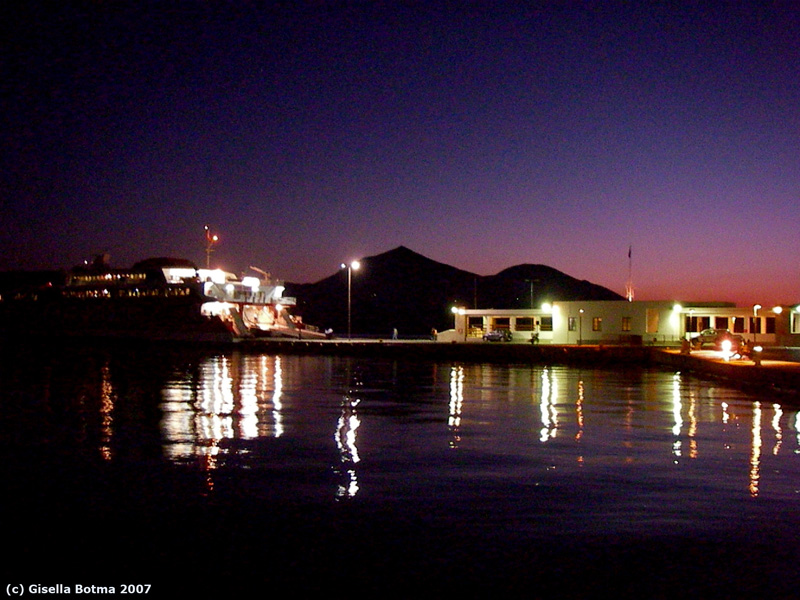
408 291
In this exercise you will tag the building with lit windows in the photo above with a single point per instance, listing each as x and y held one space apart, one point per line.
624 322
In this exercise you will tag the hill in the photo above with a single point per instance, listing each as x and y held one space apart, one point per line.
403 289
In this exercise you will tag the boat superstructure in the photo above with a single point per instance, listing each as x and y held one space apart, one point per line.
159 298
252 306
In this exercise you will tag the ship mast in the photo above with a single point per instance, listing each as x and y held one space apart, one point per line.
211 241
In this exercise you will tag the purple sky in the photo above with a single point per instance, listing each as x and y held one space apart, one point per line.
479 137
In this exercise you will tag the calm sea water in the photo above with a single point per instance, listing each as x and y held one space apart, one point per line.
232 472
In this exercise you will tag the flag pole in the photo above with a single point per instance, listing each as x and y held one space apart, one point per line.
629 285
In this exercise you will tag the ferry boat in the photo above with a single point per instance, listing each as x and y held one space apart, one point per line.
253 306
157 299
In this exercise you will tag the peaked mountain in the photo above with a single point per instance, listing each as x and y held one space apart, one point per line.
415 294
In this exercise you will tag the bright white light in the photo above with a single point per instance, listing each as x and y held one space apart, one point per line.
177 274
279 289
251 282
211 309
215 275
777 310
547 307
353 266
677 308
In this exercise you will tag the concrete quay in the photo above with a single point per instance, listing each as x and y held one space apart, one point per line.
771 375
464 351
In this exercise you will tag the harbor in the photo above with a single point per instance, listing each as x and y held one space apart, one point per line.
303 467
778 369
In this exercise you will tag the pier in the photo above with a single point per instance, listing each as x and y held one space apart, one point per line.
767 374
469 352
775 372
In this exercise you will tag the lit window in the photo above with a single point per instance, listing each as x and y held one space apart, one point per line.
597 324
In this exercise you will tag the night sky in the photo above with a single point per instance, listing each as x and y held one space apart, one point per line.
482 136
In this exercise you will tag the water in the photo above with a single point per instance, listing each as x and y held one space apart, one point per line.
228 472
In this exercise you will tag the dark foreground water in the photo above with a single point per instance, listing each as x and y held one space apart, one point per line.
202 474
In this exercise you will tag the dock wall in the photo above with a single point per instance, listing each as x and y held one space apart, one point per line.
771 375
468 352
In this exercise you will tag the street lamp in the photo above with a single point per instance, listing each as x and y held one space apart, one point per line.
755 322
211 240
353 266
676 319
580 327
531 281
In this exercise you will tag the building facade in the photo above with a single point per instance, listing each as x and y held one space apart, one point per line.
624 322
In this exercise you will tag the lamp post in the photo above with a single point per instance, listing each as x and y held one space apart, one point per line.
755 322
580 327
211 240
353 266
677 309
531 281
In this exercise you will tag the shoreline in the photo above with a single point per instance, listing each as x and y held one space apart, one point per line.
779 376
774 374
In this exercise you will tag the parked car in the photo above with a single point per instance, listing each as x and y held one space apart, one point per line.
716 337
497 335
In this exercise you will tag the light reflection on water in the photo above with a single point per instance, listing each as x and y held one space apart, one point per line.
524 423
235 397
621 447
286 457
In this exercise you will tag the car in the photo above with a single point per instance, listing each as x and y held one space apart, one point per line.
497 335
715 337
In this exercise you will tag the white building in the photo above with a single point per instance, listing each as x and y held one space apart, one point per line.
623 322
